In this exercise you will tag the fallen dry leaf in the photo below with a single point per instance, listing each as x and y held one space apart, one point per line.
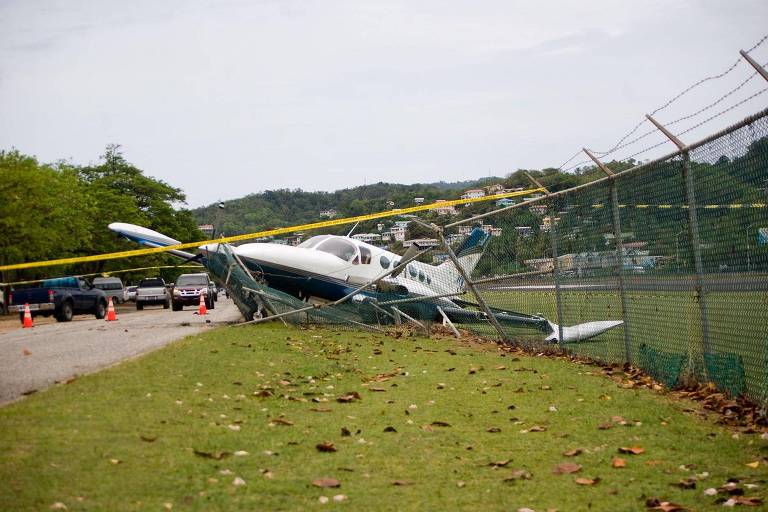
574 452
618 462
537 428
753 465
390 429
326 482
493 430
440 424
349 397
320 409
686 483
212 455
500 463
519 474
281 421
633 450
605 426
587 481
326 446
148 439
264 393
665 506
747 501
400 483
345 432
566 467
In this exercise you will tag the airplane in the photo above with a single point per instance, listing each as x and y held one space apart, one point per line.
326 268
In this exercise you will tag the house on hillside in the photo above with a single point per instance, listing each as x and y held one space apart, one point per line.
444 210
498 188
473 193
207 230
330 213
370 238
503 203
418 200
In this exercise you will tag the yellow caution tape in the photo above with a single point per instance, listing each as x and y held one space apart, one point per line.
105 274
270 232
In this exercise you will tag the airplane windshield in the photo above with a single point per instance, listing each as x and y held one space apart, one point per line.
339 248
308 244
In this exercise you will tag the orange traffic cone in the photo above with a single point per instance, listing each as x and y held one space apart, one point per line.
27 324
201 309
111 315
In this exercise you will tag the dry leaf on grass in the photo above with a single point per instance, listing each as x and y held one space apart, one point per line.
325 446
665 506
148 439
574 452
400 483
618 462
587 481
440 424
493 430
632 450
212 455
349 397
566 467
326 482
500 463
519 474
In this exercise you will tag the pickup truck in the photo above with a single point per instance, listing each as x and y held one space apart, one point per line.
187 289
152 290
63 298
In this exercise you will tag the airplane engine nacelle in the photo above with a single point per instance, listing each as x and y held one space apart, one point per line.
385 287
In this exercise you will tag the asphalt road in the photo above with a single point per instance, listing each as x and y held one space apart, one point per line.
34 359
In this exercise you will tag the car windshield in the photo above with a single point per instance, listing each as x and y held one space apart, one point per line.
187 280
151 283
339 247
107 286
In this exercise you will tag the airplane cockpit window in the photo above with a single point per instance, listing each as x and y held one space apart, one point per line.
308 244
412 271
340 248
365 255
421 276
384 262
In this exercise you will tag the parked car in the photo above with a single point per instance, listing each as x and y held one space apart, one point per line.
130 293
63 297
150 291
188 288
113 287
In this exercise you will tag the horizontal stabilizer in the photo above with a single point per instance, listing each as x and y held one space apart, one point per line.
581 332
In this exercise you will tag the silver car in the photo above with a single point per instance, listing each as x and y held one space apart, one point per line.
152 290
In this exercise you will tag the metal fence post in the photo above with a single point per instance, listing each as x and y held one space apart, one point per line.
619 251
468 281
693 233
556 272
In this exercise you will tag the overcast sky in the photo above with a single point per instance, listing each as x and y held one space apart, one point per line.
227 98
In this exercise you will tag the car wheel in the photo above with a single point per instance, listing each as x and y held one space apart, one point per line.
66 312
166 304
139 306
115 301
101 310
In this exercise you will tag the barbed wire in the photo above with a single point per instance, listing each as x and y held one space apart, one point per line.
722 112
620 144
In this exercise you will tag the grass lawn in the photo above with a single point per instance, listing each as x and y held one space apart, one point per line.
450 426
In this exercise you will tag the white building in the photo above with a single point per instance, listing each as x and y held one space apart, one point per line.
444 210
370 238
398 233
473 193
418 200
422 242
330 213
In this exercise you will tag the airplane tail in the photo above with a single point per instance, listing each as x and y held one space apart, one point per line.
468 253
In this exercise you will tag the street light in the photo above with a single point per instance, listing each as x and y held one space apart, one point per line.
218 228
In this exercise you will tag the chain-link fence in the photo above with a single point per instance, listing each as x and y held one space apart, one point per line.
663 265
677 249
